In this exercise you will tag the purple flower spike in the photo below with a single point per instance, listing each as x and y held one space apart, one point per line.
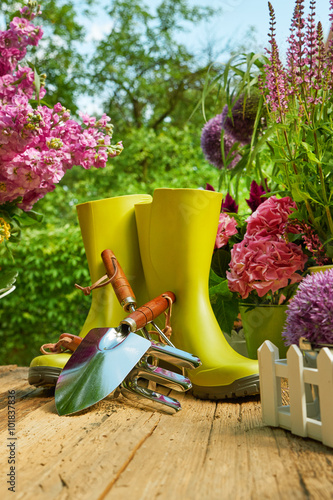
310 312
229 205
256 195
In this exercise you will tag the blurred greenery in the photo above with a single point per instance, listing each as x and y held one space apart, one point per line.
150 85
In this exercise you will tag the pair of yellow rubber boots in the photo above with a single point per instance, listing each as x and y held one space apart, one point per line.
162 243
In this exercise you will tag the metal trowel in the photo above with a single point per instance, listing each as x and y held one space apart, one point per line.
107 355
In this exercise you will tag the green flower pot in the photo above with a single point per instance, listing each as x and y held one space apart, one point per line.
262 323
316 269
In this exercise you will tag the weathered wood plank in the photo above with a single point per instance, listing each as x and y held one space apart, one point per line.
116 451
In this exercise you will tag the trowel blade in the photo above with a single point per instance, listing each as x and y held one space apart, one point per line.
97 367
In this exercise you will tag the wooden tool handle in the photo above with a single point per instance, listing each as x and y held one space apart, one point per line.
120 284
148 312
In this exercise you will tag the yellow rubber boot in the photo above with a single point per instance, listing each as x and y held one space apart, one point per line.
108 223
177 231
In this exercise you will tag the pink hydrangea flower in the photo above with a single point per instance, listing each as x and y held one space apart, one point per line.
264 261
264 265
227 227
270 217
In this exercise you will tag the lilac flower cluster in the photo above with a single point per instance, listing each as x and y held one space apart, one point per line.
38 145
310 312
308 71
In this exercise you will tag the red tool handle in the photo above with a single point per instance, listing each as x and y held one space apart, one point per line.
120 283
148 312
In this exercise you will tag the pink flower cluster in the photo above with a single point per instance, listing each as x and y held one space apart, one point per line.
264 261
38 145
227 227
14 41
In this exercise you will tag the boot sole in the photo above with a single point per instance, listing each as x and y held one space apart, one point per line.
43 376
247 386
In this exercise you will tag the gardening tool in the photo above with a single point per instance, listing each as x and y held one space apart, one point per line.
104 358
100 342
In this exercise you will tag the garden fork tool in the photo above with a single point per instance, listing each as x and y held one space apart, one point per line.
106 356
131 387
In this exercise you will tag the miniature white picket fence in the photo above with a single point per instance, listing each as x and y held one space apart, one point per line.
310 412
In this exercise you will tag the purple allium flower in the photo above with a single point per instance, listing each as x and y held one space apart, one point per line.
240 125
229 204
310 312
211 143
256 195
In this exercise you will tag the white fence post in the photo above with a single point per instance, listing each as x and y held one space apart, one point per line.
325 375
270 385
296 391
302 416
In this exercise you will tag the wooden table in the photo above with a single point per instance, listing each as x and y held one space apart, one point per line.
115 451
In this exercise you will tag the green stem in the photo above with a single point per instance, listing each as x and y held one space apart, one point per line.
323 187
329 218
313 220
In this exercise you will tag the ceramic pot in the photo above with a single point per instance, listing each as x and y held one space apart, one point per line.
264 322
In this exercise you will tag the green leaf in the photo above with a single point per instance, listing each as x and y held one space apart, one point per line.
225 312
220 262
298 194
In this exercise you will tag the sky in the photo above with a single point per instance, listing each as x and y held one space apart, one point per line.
238 15
231 24
235 19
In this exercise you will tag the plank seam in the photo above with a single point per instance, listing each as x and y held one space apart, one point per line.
127 462
210 435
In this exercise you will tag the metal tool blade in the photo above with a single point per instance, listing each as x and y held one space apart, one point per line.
99 364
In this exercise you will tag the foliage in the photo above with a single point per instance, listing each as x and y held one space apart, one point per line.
169 158
150 84
45 303
146 77
243 123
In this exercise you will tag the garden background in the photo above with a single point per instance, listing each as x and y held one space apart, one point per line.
151 82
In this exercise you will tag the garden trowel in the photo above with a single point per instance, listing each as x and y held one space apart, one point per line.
106 355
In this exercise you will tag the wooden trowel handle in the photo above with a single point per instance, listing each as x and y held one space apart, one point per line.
148 312
120 284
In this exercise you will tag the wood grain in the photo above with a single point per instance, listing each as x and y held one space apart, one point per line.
209 450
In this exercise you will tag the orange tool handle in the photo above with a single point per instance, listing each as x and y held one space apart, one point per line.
148 312
120 283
